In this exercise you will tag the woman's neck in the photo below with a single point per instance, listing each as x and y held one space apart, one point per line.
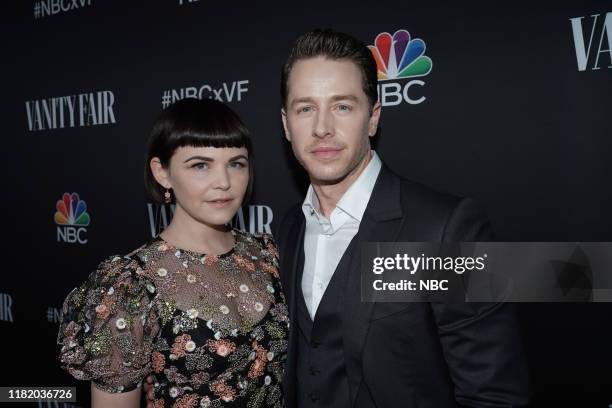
187 233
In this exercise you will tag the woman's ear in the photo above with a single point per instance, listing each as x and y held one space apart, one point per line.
160 173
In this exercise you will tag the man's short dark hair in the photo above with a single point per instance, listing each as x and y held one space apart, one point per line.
335 46
196 123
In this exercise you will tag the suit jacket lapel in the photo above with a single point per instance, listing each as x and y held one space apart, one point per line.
382 221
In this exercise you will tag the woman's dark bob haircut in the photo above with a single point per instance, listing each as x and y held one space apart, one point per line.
196 123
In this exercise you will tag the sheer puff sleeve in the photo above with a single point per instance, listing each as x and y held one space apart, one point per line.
109 325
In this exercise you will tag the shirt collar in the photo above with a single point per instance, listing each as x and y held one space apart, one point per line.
355 199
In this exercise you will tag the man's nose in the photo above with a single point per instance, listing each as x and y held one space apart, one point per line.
323 126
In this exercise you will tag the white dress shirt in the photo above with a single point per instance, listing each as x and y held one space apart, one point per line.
325 240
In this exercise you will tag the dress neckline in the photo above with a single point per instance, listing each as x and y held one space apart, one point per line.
159 239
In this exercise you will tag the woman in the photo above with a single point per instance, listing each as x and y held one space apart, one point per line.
200 307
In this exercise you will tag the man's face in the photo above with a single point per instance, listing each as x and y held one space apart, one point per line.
328 120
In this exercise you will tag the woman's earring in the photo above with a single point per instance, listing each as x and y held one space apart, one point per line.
167 197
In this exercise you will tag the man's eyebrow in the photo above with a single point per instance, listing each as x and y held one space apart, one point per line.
334 98
346 97
301 100
209 159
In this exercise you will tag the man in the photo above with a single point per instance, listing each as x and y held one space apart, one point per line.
348 353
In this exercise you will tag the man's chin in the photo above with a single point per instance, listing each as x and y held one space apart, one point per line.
327 178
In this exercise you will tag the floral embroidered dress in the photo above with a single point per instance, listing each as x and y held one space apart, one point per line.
211 329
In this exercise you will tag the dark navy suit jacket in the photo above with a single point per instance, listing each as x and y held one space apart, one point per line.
414 354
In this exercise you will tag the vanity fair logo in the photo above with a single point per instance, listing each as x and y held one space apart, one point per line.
253 219
71 218
588 53
226 92
6 307
400 57
43 8
86 109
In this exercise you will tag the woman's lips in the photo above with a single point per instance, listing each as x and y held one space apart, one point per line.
221 203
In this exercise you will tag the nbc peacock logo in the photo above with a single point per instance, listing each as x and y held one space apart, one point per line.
399 57
71 218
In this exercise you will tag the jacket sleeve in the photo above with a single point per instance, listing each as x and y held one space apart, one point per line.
481 341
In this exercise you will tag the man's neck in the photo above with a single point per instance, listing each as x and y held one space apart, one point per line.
329 194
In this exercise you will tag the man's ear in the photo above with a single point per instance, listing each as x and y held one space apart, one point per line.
160 173
374 118
284 119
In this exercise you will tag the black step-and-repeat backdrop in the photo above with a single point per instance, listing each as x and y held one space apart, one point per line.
508 103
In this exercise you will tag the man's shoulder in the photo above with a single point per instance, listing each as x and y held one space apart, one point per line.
416 195
432 214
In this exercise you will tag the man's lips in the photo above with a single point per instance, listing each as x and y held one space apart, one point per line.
326 152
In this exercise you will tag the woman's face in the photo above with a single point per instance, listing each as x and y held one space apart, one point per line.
209 183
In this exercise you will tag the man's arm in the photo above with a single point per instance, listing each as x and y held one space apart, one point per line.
481 343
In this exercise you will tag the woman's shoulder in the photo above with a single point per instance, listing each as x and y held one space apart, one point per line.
115 305
262 238
115 273
117 267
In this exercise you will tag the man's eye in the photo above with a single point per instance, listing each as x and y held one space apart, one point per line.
305 109
344 108
200 166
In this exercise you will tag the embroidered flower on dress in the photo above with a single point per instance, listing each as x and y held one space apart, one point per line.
120 323
205 402
271 269
190 346
186 401
257 368
221 347
209 260
157 362
162 272
191 278
226 392
178 348
244 263
102 311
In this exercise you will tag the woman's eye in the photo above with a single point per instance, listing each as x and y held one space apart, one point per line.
238 165
200 166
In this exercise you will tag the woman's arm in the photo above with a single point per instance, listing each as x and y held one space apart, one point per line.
103 399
